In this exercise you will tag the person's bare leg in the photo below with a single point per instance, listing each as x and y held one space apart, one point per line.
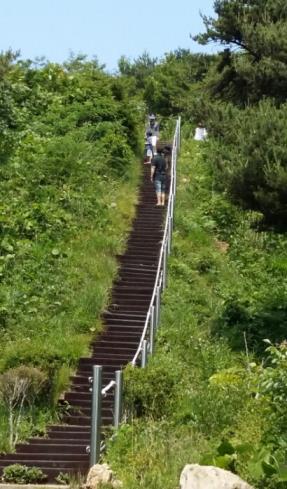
158 196
162 198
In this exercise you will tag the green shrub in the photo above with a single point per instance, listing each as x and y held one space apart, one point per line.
250 161
149 392
197 389
63 478
273 385
258 318
64 137
21 474
264 465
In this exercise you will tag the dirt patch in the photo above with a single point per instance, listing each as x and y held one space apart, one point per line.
222 245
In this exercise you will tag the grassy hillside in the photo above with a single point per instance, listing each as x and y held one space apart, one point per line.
69 152
215 392
211 394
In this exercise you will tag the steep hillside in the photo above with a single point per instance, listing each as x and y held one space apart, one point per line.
69 149
211 394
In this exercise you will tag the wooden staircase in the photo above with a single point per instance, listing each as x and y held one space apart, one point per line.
64 449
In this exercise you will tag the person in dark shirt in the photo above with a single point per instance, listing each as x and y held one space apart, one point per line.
158 177
153 126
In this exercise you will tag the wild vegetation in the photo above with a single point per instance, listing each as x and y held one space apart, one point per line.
215 391
68 147
211 393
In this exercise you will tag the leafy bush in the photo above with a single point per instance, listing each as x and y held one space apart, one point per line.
18 389
257 318
251 159
148 392
264 465
21 474
63 478
206 389
273 385
64 138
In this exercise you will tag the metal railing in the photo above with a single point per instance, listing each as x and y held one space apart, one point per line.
96 444
146 344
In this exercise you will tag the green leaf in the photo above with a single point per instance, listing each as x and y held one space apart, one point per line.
207 459
225 461
268 468
225 448
282 472
245 448
255 469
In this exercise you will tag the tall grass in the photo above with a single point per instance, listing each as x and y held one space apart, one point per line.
57 330
196 390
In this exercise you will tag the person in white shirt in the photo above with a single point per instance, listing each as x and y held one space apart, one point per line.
200 132
149 150
152 141
152 132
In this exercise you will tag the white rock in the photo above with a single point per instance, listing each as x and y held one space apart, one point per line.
101 474
207 477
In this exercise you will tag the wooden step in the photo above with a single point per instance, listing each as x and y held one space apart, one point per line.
64 448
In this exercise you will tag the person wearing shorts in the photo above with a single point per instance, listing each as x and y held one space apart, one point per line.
158 177
148 154
152 132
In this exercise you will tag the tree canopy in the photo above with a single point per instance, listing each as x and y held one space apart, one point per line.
256 29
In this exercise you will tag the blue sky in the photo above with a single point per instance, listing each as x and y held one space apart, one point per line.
106 29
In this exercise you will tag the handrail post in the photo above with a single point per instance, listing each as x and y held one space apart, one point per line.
171 211
170 226
178 133
157 306
118 398
174 179
144 354
152 330
96 415
169 234
174 173
164 266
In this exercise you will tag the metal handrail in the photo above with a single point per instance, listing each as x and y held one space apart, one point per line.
108 387
96 446
166 237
